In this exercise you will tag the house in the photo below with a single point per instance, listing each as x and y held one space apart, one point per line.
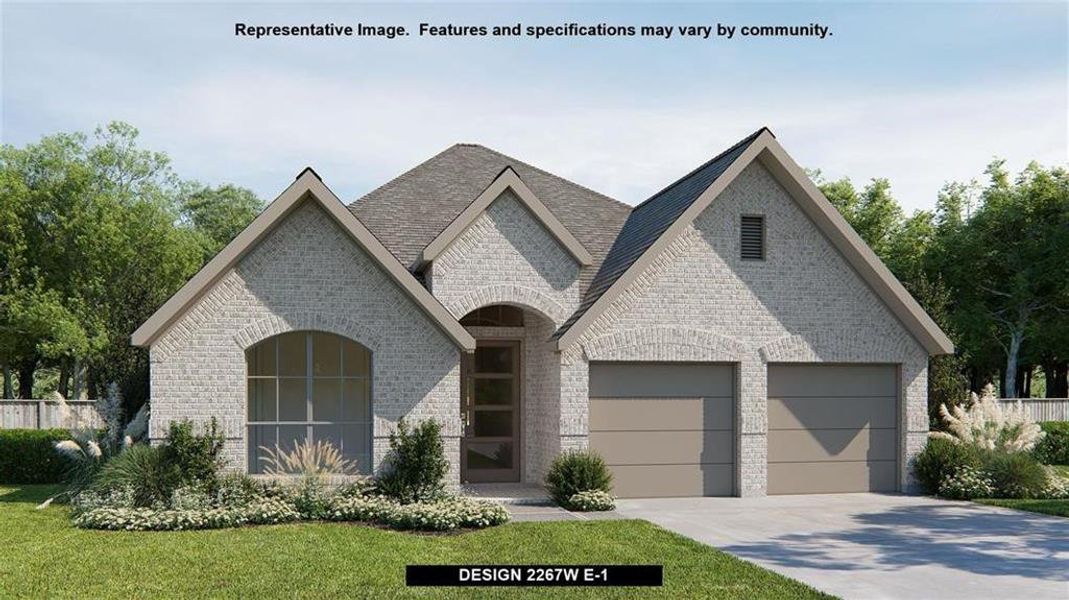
731 335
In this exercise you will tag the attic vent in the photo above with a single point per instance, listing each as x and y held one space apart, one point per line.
753 237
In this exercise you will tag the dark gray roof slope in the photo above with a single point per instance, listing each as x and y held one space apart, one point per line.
407 213
650 219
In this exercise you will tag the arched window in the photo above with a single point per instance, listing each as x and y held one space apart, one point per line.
309 385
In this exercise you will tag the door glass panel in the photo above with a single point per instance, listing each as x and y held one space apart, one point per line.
262 399
492 423
260 437
354 400
326 354
489 455
261 358
326 399
357 360
493 359
493 392
292 354
292 400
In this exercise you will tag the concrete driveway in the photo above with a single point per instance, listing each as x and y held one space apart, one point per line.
880 546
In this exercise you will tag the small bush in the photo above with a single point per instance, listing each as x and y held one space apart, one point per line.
940 459
416 465
262 512
1053 449
145 470
197 457
29 456
590 501
966 483
1015 474
577 471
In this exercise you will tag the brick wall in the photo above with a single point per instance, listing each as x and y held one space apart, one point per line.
306 274
804 303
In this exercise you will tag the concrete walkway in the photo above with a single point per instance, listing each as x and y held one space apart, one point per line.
880 546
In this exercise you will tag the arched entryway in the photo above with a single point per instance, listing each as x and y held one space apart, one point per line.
510 396
308 386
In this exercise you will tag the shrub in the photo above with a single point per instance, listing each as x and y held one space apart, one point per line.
145 470
941 458
237 488
1053 449
443 514
577 471
592 500
264 511
196 457
988 425
1015 474
1057 487
416 465
966 483
29 456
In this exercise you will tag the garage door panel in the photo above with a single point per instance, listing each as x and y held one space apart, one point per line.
659 380
853 413
664 447
837 381
831 477
831 445
638 414
665 481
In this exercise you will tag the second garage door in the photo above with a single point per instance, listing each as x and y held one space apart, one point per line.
832 428
665 429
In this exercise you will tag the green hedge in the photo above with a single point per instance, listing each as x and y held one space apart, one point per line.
1053 449
28 456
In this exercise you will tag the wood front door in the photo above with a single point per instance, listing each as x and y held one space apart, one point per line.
490 406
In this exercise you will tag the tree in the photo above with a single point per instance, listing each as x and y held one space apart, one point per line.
219 214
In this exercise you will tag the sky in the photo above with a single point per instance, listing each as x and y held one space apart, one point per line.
919 93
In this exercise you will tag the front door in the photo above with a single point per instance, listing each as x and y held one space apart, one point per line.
490 406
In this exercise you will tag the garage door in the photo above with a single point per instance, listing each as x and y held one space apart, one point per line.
664 429
832 428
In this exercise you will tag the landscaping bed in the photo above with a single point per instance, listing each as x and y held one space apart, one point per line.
43 556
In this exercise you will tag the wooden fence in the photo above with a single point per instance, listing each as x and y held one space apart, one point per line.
45 414
1043 409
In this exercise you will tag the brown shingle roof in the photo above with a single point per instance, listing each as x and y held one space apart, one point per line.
408 212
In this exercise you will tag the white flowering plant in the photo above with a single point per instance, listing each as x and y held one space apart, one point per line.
591 501
966 483
983 422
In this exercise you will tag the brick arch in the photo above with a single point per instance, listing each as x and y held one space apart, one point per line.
515 295
824 347
307 321
664 343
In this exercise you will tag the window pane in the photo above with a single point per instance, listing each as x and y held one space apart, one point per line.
492 423
292 354
493 359
262 399
261 358
355 400
292 399
493 391
357 360
356 442
490 455
327 433
260 437
326 398
326 354
290 435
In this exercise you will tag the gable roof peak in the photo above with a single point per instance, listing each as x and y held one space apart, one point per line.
307 171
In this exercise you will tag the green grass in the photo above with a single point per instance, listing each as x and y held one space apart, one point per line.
1058 508
42 555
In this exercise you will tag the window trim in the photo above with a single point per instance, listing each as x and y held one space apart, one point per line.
365 466
764 237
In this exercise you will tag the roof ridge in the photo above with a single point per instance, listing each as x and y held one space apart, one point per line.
402 176
705 164
548 174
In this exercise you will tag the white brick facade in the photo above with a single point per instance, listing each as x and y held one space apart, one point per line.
699 301
696 302
306 274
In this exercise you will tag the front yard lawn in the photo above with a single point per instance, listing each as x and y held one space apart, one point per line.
42 555
1058 508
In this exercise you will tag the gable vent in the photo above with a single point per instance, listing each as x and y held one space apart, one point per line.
753 237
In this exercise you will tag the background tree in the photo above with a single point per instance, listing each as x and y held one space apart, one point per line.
220 213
